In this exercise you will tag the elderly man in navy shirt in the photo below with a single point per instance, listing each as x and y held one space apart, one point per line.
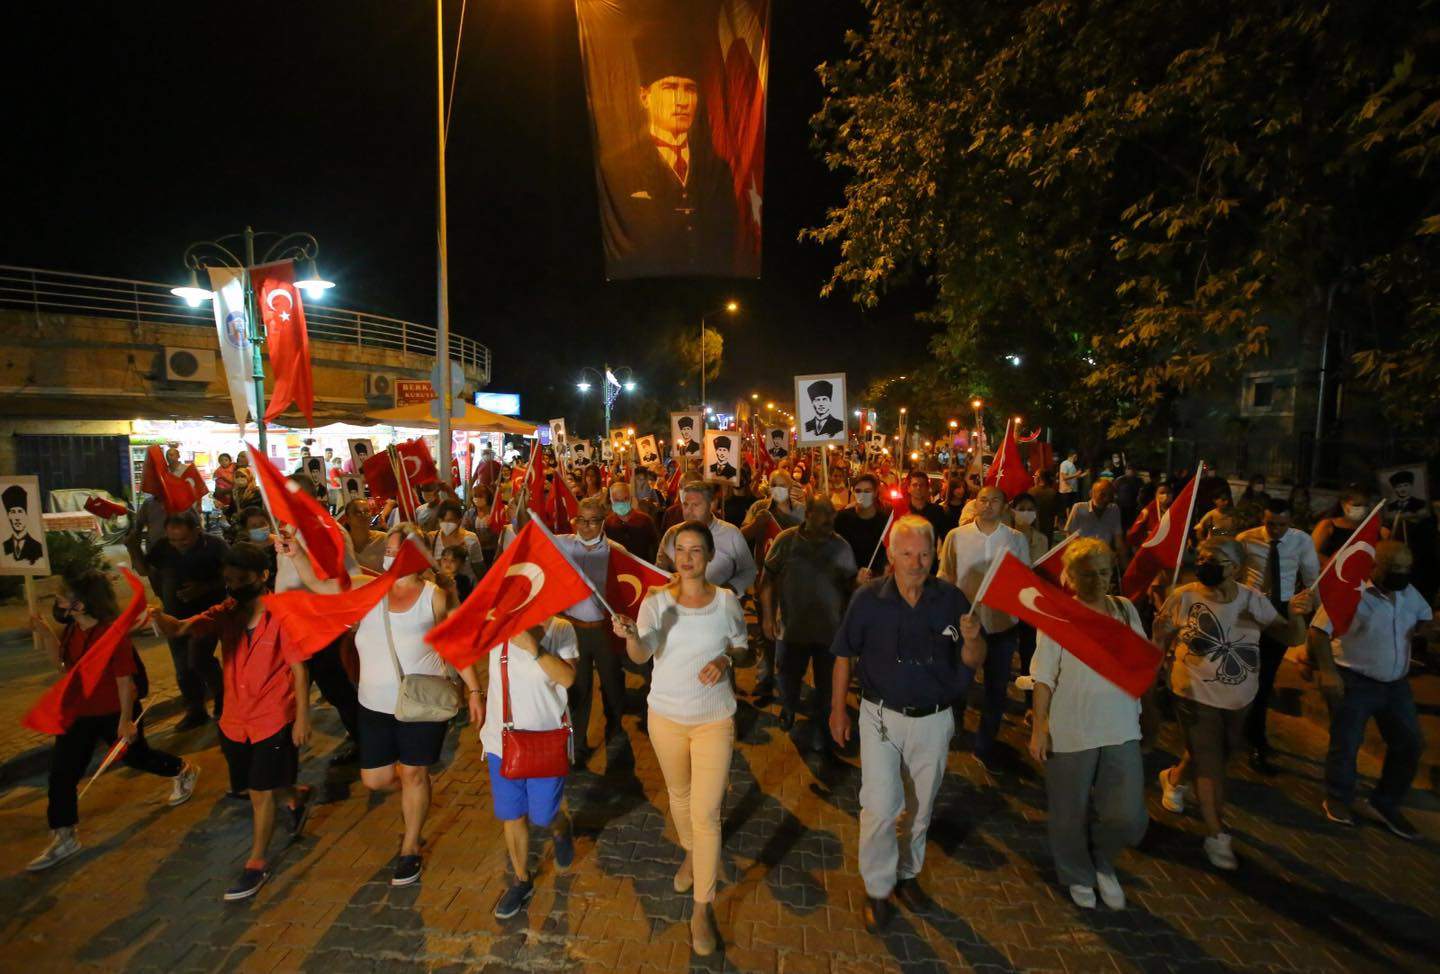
916 646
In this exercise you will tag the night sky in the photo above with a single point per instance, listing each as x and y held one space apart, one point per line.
135 129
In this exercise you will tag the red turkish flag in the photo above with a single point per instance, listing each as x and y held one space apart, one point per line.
414 459
496 522
1340 583
1007 471
311 621
191 476
1051 565
104 509
530 582
672 486
627 581
735 93
286 339
174 493
1106 645
537 499
562 501
58 707
288 503
1165 547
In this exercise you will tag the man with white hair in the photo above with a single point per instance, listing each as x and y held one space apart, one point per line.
915 644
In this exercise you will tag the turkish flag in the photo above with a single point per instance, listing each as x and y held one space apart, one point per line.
1340 583
496 521
57 707
191 476
311 621
672 486
563 503
104 509
735 93
536 498
1051 565
1007 471
530 582
1106 645
414 460
289 503
286 339
627 581
156 480
1165 547
762 546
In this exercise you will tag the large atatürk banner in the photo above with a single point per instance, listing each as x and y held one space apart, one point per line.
677 108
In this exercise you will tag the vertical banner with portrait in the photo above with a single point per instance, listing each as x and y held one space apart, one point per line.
23 551
582 454
820 409
557 436
721 456
677 119
777 443
352 487
685 433
648 451
360 451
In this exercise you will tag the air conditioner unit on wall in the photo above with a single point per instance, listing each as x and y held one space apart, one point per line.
379 385
189 364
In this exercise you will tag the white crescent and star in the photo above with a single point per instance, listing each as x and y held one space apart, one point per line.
284 314
410 471
1161 531
1345 556
1030 598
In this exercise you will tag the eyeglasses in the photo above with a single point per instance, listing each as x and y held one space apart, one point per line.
589 520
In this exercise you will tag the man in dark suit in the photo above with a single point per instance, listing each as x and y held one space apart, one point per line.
722 468
824 424
777 445
20 546
673 198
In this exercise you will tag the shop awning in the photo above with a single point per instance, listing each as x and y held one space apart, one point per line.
475 420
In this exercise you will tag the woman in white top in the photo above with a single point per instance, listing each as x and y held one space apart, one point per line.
1087 734
393 753
448 533
690 627
1211 629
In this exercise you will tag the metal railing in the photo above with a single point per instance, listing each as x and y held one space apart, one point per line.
58 292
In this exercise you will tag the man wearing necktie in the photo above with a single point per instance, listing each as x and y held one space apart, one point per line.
1275 553
673 196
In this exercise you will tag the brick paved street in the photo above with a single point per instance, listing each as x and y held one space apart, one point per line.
145 893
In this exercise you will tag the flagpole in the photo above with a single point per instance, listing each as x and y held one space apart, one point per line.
1190 514
252 318
870 565
442 315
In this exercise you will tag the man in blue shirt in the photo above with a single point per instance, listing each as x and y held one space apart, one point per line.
916 646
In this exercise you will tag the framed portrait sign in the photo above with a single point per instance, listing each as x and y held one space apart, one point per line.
582 453
557 434
820 409
777 443
648 450
360 451
315 469
722 456
685 435
352 487
23 551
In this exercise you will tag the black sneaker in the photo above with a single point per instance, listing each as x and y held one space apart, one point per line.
564 849
300 811
407 871
877 914
1392 819
193 720
910 895
250 882
1337 811
513 900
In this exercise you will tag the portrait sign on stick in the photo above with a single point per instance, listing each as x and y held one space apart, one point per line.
820 409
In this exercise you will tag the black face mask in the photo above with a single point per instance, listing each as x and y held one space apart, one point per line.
1209 574
245 594
60 615
1395 581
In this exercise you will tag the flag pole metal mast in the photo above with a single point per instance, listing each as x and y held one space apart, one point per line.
442 315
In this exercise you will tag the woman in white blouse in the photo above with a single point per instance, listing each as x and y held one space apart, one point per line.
690 627
1087 734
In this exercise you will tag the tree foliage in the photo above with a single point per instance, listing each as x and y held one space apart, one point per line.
1137 193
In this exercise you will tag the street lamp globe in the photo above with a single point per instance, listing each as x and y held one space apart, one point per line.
313 284
583 386
193 293
732 306
630 385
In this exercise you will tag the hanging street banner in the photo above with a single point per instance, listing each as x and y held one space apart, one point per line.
677 113
236 351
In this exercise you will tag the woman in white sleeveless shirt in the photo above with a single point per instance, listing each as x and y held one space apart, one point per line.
393 753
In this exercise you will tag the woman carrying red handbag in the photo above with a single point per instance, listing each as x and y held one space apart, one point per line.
526 737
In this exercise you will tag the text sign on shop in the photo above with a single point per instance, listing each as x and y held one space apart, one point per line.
410 392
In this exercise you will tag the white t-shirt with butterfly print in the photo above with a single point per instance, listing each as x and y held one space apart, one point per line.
1217 644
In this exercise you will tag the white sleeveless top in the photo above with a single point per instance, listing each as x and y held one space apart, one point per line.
378 685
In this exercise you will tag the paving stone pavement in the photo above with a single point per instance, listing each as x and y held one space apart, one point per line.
144 895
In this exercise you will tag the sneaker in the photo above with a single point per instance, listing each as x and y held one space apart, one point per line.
877 914
192 721
300 811
407 871
1391 818
63 845
250 882
1172 796
1220 852
513 900
1084 896
564 849
1337 811
1110 891
184 785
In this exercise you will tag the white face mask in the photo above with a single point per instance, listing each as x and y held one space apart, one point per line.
1354 513
593 541
779 494
387 561
449 527
864 498
1026 518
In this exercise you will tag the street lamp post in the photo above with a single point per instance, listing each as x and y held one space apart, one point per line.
731 307
610 386
293 246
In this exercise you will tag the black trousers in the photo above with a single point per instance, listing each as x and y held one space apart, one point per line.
71 759
1272 654
330 678
196 671
595 656
796 658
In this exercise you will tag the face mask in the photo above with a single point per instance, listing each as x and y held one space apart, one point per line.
1354 513
245 593
864 498
621 508
259 535
779 494
387 561
1395 581
61 614
448 527
592 542
1026 518
1209 574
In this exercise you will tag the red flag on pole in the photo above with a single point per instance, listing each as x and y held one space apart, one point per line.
562 500
286 339
672 486
104 509
311 621
289 503
1165 547
1051 565
627 581
58 706
1106 645
1340 584
1007 470
197 484
496 522
762 546
411 457
530 581
174 493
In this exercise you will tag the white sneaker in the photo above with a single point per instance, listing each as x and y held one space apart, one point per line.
1220 853
1084 896
63 845
184 785
1172 796
1110 891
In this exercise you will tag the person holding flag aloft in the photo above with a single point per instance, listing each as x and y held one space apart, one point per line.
1211 629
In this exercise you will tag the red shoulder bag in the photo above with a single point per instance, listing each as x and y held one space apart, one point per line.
529 753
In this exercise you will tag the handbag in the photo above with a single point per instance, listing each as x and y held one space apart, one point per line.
420 697
529 753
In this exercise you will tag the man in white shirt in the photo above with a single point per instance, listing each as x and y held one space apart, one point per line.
1363 674
1070 474
733 566
965 556
1275 554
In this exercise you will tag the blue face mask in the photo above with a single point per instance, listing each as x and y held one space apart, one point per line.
621 508
259 535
